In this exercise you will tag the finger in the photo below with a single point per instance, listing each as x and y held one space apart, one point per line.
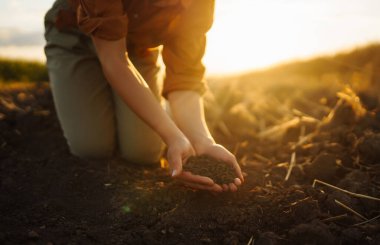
213 188
237 181
218 187
176 163
237 169
189 177
225 187
232 160
188 155
233 187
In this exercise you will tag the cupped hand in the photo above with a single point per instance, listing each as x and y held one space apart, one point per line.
220 153
198 182
177 154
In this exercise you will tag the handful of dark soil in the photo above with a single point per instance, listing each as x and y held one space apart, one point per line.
219 171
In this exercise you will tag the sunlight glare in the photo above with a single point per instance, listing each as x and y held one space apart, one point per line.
255 34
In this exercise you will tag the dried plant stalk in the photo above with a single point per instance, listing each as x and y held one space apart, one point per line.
335 218
332 112
251 241
276 131
345 191
350 97
304 140
261 158
292 163
367 221
350 209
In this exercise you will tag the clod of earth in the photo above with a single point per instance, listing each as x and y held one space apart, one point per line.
369 147
219 171
322 167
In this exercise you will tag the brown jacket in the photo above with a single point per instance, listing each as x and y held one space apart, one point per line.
179 25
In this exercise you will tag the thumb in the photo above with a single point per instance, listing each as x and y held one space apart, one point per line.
176 163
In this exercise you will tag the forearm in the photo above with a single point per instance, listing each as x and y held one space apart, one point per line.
129 85
188 113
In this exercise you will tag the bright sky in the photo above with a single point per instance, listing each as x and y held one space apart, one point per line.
247 34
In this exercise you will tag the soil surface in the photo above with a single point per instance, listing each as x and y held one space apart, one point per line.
220 172
48 196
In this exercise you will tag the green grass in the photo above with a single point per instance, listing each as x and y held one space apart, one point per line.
20 70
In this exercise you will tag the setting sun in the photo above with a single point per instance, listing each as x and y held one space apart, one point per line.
255 34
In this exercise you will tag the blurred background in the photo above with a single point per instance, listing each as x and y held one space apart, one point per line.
247 34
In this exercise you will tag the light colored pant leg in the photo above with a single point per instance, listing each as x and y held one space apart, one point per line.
137 141
82 97
86 105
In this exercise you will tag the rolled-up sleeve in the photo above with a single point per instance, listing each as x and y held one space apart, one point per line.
102 19
183 53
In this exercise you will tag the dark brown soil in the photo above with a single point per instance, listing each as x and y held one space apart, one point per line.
48 196
219 171
369 147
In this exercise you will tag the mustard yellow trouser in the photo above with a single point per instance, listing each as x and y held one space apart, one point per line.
95 121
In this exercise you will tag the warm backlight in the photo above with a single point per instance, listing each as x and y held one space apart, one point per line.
249 34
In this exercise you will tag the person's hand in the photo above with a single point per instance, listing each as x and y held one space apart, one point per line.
220 153
178 153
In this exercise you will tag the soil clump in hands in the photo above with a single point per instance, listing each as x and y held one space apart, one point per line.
220 172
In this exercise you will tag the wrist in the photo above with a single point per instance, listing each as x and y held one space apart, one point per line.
173 135
202 144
